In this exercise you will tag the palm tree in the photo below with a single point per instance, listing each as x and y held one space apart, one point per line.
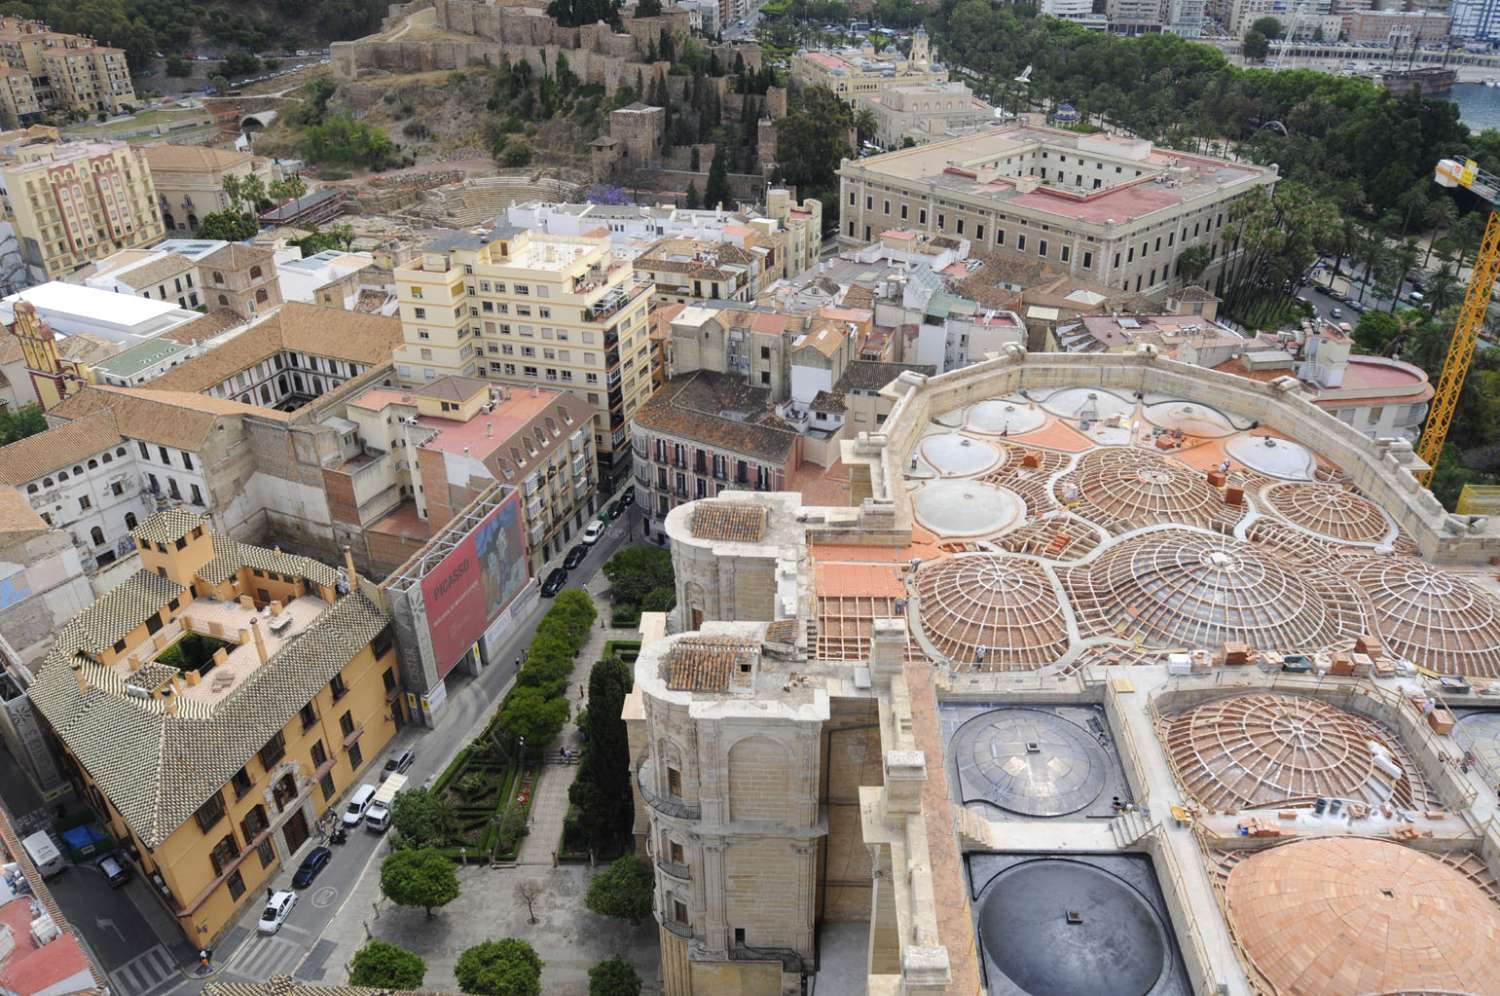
1441 214
1442 289
865 123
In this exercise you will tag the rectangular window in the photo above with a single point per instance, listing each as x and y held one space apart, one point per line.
326 785
1041 247
978 233
308 715
273 751
1065 253
84 503
921 216
236 885
242 783
958 226
346 723
210 813
267 852
1020 243
356 758
942 221
999 236
319 755
903 212
339 688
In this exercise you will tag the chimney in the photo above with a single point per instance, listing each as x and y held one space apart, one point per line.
349 567
260 641
83 683
489 430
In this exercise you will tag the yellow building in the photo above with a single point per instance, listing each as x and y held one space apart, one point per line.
189 180
215 705
521 308
851 72
78 202
19 103
68 72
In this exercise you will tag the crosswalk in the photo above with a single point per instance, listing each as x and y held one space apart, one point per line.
146 974
263 956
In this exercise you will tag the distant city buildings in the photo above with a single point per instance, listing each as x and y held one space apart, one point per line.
852 73
49 71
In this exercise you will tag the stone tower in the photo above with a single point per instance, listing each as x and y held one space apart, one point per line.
921 51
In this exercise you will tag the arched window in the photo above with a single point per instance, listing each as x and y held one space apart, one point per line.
261 296
254 273
78 469
119 451
46 482
223 300
31 488
129 520
218 277
108 458
97 535
94 464
62 475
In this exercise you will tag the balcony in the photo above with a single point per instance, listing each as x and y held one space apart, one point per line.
672 869
613 301
683 930
667 805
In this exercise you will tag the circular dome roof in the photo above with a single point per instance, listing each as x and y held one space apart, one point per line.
1430 616
953 455
1183 588
1055 925
1028 761
966 508
1189 418
1259 750
1274 457
1009 607
998 416
1127 488
1329 510
1086 402
1358 915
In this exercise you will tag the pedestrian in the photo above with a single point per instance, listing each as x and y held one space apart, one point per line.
518 663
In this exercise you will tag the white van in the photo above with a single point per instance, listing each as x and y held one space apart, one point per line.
44 854
354 813
378 814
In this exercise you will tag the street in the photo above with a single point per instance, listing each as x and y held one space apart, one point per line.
136 941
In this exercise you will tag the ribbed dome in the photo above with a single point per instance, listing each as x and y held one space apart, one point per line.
1430 616
1007 605
1181 588
1340 915
1261 750
1125 489
1329 510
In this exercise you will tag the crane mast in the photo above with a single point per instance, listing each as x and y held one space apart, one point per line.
1471 315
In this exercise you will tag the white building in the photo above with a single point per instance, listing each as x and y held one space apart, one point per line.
119 318
332 278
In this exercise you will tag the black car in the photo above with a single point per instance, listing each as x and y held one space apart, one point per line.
575 557
554 582
398 763
315 862
628 498
615 508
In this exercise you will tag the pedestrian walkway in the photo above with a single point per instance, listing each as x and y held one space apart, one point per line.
150 972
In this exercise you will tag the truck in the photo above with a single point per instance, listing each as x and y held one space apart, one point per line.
44 854
378 815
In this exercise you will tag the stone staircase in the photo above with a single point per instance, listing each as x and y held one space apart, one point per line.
1128 828
975 833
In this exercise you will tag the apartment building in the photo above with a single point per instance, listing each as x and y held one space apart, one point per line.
1111 208
78 202
19 103
685 270
851 72
443 444
526 309
215 705
67 72
190 180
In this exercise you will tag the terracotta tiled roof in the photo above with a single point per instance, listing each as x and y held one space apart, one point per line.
210 325
166 418
238 256
17 516
330 332
158 270
698 406
867 375
230 556
168 526
452 388
706 664
157 767
729 520
192 158
35 456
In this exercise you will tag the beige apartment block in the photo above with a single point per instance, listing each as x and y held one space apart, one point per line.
804 228
525 309
18 98
67 72
76 203
190 180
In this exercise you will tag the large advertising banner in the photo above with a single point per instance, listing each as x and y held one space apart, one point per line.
475 583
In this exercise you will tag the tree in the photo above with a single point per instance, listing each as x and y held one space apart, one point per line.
178 67
716 189
343 140
381 965
1193 261
601 791
1268 26
24 421
529 891
622 890
614 977
509 967
634 571
866 124
517 152
218 84
1256 46
694 161
421 818
648 8
239 64
530 714
419 877
693 201
288 188
228 225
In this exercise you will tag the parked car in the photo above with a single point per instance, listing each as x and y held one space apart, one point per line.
1356 307
398 763
575 556
554 582
1336 312
354 813
615 510
593 532
278 908
116 872
628 498
316 860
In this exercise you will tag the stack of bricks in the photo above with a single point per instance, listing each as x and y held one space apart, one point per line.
1371 645
1257 827
1236 654
1343 664
1441 721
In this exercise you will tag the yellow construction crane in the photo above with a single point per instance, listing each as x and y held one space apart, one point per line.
1450 385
